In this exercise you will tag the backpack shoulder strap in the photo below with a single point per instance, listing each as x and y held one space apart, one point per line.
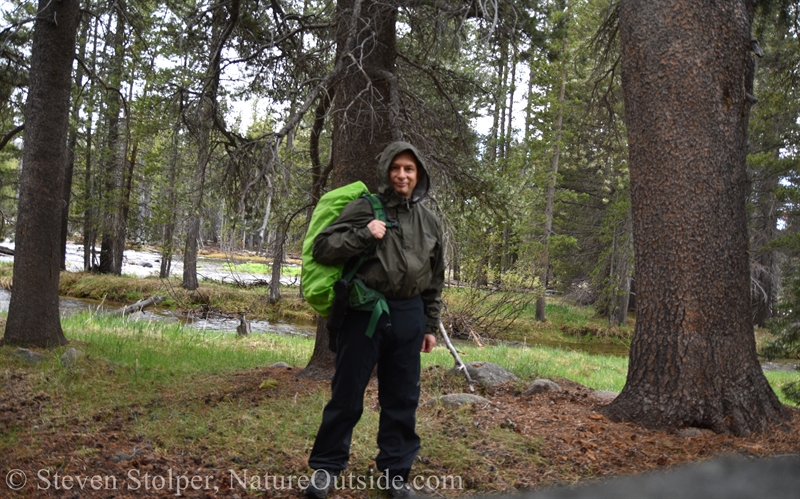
377 208
380 214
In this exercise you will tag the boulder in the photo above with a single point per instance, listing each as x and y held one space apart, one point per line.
29 356
70 357
282 365
604 396
489 375
541 386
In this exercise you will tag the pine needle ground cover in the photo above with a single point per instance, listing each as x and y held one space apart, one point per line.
153 409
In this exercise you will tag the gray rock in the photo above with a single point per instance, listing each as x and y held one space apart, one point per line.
70 357
136 316
604 396
541 386
689 432
458 399
488 374
283 365
29 356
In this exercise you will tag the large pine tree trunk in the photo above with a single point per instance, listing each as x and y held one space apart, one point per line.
363 124
693 358
33 317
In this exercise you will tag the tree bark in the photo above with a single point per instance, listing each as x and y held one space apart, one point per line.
73 142
765 270
33 317
113 153
693 357
551 191
363 124
204 122
168 229
89 211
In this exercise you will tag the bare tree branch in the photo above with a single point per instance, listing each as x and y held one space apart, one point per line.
10 135
295 118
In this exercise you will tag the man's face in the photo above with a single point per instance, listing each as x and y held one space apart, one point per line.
403 174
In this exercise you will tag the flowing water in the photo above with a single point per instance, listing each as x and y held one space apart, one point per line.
70 306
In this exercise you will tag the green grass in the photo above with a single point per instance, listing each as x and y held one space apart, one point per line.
601 372
171 349
155 352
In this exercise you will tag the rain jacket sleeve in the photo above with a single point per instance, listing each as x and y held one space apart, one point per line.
347 236
432 296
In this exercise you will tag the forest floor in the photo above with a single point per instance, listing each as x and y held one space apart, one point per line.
514 443
145 416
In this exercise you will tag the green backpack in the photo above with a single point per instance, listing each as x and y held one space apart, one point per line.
317 280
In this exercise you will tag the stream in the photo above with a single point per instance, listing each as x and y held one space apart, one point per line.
70 306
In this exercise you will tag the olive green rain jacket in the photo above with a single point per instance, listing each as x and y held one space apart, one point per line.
409 260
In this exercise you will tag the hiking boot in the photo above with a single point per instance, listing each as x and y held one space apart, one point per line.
403 490
320 483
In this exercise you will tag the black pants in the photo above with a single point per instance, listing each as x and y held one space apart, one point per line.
395 348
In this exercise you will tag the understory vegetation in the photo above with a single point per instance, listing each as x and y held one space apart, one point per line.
209 399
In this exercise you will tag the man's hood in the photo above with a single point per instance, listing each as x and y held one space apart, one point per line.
385 187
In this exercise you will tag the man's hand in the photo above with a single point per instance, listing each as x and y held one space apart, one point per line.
428 342
377 228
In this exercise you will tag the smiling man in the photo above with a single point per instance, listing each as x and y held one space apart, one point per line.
407 267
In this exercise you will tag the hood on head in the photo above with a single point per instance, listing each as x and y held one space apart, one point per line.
385 187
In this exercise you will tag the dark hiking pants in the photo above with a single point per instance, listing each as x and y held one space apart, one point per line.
395 348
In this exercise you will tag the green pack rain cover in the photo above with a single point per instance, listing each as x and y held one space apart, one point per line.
317 279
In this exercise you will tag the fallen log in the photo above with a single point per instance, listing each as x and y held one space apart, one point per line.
6 251
139 306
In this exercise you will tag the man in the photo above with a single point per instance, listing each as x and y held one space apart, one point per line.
407 266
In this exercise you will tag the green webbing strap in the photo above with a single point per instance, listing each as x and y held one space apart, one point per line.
378 209
380 307
380 214
349 276
367 299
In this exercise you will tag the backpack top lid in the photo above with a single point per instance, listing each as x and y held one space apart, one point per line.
317 279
